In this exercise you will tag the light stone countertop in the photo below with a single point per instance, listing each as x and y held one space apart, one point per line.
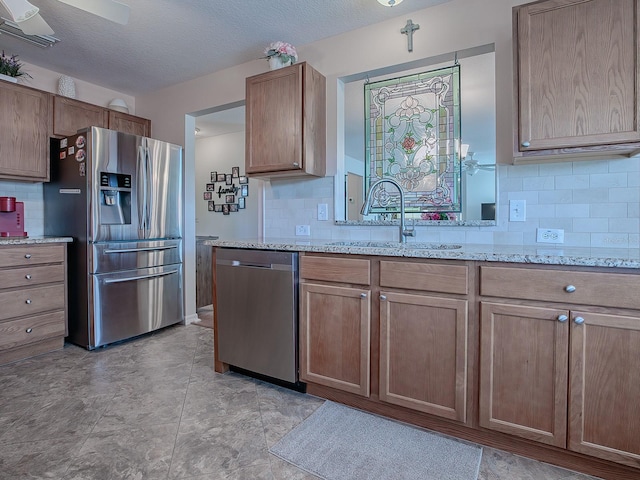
546 255
33 240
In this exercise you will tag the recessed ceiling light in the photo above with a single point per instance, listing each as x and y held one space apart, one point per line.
389 3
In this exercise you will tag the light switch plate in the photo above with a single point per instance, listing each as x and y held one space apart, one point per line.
323 211
517 210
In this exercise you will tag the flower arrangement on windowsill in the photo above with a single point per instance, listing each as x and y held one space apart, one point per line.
11 67
280 54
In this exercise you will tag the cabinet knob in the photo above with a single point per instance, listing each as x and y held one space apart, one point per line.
295 164
383 297
569 289
29 330
363 295
28 301
526 144
562 318
27 255
578 320
28 276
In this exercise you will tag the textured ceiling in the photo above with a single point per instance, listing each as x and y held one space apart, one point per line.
171 41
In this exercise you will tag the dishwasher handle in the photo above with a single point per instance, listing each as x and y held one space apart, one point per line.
264 266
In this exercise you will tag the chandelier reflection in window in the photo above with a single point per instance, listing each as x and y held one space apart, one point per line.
412 130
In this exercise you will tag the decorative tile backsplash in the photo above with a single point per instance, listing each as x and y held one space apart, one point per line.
31 195
596 203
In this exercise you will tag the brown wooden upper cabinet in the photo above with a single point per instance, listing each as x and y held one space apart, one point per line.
25 126
70 115
126 123
286 122
576 79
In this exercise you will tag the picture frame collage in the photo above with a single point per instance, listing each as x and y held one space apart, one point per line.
231 197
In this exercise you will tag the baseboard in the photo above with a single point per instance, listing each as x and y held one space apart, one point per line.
189 319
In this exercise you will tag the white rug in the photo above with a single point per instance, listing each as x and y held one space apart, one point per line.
341 443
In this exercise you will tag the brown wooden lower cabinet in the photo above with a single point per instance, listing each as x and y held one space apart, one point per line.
423 353
604 418
523 371
334 337
552 372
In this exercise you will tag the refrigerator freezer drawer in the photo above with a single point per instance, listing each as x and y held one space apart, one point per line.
117 256
133 302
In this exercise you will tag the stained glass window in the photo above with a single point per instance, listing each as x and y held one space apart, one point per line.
411 133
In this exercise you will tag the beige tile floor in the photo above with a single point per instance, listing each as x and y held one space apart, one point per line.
153 408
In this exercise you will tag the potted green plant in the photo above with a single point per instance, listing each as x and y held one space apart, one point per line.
11 68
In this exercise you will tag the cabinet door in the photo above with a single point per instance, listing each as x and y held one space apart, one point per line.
70 115
25 126
125 123
577 73
423 353
335 332
274 121
605 387
523 371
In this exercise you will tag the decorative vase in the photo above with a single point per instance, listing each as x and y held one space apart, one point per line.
66 87
275 62
8 78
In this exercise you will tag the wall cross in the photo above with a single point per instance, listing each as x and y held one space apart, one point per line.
408 30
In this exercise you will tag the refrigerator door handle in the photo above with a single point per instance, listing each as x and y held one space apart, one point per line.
141 189
139 277
148 179
143 249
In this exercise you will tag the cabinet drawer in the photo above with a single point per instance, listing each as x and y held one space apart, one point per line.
20 277
14 333
31 254
591 288
332 269
425 276
29 301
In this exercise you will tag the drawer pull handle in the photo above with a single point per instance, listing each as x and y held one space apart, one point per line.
27 255
28 301
383 297
363 295
569 289
578 320
562 318
29 330
28 276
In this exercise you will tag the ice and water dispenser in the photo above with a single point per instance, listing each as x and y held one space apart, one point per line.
115 198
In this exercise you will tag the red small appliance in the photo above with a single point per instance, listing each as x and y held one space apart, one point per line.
11 218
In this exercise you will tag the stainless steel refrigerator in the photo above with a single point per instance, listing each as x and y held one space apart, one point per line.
120 197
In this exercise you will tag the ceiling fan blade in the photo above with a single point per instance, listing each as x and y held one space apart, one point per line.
111 10
26 17
20 10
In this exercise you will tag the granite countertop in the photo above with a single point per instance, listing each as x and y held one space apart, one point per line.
33 240
554 255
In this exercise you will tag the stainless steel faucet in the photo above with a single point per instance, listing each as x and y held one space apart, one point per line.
404 232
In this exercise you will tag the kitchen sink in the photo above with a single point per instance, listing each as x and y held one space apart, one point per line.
408 245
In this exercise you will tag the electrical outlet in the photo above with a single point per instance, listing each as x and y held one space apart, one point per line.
303 230
323 211
550 235
517 210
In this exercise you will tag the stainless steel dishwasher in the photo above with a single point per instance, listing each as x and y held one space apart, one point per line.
257 311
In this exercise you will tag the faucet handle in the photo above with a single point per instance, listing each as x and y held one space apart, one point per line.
410 232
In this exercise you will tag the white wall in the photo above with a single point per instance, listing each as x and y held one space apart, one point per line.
219 154
31 193
557 194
